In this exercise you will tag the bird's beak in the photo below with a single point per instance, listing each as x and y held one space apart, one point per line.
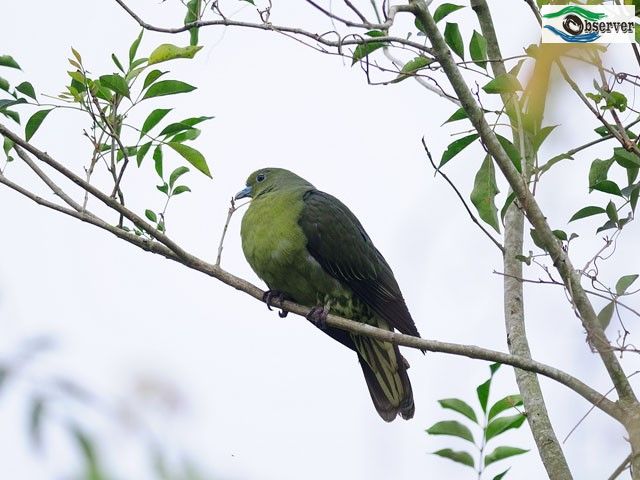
245 192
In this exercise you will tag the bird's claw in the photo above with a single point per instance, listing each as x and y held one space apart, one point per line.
318 316
271 295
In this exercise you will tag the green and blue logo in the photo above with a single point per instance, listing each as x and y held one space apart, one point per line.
588 24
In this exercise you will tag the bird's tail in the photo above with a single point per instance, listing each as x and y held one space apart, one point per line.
385 371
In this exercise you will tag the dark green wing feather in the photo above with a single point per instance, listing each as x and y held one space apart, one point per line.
339 243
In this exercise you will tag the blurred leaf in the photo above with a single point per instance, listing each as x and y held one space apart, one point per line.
587 212
625 282
444 10
7 145
454 39
133 49
193 156
560 234
493 368
505 403
34 123
616 100
168 87
459 406
500 453
151 215
177 173
11 114
478 49
507 203
484 193
364 49
36 416
539 138
88 451
456 147
27 89
153 119
500 476
193 14
536 239
512 152
115 83
4 84
166 52
505 83
452 428
612 212
8 61
502 424
152 76
605 315
635 193
4 104
457 456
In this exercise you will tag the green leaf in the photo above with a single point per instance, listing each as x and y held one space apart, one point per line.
537 240
456 147
605 315
459 406
4 84
457 456
88 451
459 114
599 170
587 212
174 128
166 52
502 424
8 61
153 119
34 123
616 100
168 87
452 428
607 226
364 49
505 83
193 14
177 173
151 215
27 89
612 212
115 83
164 188
152 76
507 203
478 49
625 158
539 138
500 476
484 193
7 145
142 152
505 403
4 104
190 134
635 193
11 114
512 152
454 39
117 63
133 49
493 368
444 10
195 120
607 186
625 282
483 394
500 453
193 156
180 189
412 66
157 160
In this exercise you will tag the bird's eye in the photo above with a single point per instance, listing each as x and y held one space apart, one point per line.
261 177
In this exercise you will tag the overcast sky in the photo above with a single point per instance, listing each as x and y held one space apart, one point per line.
262 397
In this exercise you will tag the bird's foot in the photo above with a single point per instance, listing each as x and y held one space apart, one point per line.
271 295
318 316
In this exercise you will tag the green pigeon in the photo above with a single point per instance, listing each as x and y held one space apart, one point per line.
309 248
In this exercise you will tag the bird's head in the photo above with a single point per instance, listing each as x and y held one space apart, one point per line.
268 180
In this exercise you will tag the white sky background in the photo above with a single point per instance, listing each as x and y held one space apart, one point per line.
270 398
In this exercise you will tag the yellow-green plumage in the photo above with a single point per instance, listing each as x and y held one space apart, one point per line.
307 245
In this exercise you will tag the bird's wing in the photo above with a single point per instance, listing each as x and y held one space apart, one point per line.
339 243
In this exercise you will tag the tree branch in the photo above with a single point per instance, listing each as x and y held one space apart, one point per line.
167 248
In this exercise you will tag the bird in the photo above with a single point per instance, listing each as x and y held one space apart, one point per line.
308 247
